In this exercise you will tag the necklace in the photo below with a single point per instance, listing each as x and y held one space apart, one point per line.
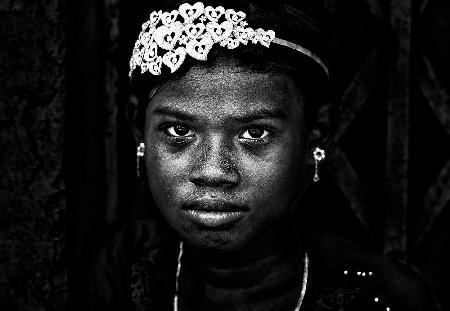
300 298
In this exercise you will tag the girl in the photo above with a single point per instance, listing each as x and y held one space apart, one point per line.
232 123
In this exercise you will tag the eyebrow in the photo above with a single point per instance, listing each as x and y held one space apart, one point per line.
261 113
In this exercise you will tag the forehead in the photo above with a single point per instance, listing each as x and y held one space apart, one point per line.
225 90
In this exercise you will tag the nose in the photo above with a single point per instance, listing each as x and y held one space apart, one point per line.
214 165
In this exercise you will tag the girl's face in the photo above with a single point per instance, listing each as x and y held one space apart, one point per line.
225 154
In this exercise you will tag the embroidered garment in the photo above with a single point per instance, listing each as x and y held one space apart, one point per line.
136 271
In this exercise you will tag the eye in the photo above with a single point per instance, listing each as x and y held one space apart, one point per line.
254 133
179 130
255 136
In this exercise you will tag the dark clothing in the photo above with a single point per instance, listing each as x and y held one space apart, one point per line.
136 271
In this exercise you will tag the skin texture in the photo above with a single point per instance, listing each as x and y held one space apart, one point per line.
225 134
224 137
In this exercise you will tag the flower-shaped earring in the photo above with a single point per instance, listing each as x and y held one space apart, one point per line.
319 155
139 155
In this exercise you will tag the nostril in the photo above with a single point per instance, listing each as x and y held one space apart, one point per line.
198 182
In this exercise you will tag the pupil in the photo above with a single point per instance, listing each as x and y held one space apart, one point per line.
255 133
181 130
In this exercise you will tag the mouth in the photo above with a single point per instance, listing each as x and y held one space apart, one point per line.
214 213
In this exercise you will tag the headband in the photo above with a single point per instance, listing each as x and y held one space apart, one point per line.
168 37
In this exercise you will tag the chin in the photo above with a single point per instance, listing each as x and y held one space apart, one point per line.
216 241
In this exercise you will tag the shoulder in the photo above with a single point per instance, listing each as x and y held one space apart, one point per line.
110 267
360 278
131 240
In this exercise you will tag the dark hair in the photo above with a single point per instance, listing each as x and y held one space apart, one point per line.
302 24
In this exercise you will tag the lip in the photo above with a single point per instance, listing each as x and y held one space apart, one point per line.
214 219
214 213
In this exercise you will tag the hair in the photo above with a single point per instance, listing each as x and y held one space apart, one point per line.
301 23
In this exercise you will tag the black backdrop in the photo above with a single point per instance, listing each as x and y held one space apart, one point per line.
68 157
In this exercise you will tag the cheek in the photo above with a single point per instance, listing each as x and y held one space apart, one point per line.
275 177
165 173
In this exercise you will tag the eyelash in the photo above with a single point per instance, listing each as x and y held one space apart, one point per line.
181 140
254 142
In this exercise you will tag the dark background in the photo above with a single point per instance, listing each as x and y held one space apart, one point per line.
67 156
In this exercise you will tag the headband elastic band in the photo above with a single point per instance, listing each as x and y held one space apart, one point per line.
304 51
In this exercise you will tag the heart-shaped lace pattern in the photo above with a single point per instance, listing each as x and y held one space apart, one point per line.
168 37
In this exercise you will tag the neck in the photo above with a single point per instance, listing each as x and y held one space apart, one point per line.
271 263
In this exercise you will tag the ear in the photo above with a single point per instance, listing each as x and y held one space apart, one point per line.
136 112
323 128
131 112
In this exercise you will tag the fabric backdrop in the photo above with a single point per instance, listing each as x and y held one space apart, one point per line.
67 156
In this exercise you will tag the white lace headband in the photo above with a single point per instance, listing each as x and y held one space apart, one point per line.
168 37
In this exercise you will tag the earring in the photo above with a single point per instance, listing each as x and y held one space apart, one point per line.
139 155
319 155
